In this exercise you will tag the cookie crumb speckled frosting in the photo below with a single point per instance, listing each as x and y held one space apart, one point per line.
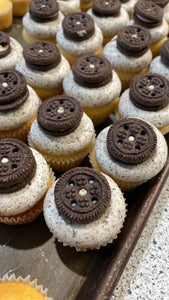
130 137
23 172
10 52
84 209
62 132
147 99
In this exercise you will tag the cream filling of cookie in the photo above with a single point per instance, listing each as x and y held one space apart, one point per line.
88 46
3 48
11 59
112 24
127 109
17 117
157 33
92 97
91 235
68 6
157 66
123 62
43 29
20 201
63 145
131 173
47 79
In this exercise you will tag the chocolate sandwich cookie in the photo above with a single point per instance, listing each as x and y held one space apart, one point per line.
41 56
43 10
164 53
106 7
17 165
131 141
78 26
59 115
92 71
149 91
13 90
133 40
5 47
161 3
82 195
148 14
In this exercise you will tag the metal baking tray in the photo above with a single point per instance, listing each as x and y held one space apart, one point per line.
69 275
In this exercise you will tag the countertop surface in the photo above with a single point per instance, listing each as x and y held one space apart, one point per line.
146 275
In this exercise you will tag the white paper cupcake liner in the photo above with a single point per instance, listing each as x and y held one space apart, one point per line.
34 283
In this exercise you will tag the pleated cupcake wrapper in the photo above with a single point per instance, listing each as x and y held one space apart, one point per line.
32 215
6 17
27 279
81 249
65 164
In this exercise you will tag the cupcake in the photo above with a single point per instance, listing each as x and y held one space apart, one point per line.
18 105
78 36
69 6
6 17
147 99
160 64
20 7
109 16
24 180
150 15
19 288
164 4
42 21
44 68
131 151
128 5
10 53
84 209
93 83
62 132
85 5
129 53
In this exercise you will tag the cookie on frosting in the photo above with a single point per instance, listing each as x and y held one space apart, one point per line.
24 180
95 86
84 209
147 99
18 105
150 15
129 53
78 36
44 68
42 21
109 16
10 52
62 132
131 151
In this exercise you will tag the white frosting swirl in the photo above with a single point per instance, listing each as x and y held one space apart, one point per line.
68 6
157 66
48 79
92 97
131 173
15 118
127 109
88 46
10 61
44 29
112 24
22 200
129 6
123 62
63 145
91 235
